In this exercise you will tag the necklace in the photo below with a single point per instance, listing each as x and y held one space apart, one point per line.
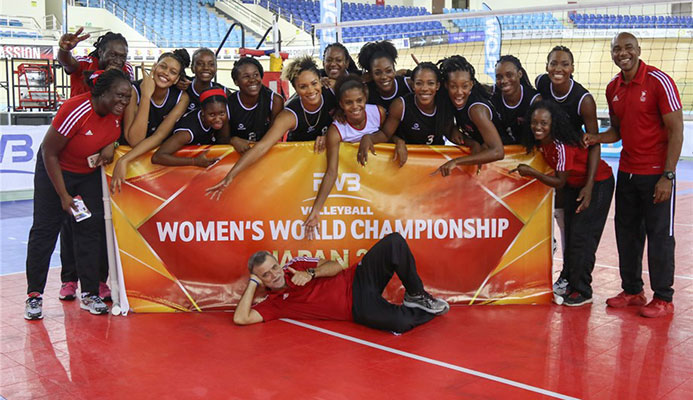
305 115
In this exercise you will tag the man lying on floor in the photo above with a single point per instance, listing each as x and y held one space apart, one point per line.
313 288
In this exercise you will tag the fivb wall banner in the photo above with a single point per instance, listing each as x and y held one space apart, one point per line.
477 237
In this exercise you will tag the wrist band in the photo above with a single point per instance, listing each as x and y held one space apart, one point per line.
256 282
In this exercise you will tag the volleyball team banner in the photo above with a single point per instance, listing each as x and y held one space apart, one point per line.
479 237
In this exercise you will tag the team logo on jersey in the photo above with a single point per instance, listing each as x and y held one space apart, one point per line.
642 96
415 127
286 296
117 123
616 98
89 133
241 127
191 106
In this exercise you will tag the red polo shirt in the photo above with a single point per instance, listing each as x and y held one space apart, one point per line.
639 106
572 159
87 132
321 298
78 84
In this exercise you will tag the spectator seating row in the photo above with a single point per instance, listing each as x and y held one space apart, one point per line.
508 22
611 21
178 23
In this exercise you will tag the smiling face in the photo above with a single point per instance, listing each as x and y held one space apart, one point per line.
270 273
383 74
117 98
248 80
166 72
353 102
214 115
560 67
113 55
508 78
459 86
425 87
335 62
308 87
625 52
205 67
541 125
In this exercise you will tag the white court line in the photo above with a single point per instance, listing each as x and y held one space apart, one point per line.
644 271
430 360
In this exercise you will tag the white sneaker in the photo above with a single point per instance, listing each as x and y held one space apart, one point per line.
93 304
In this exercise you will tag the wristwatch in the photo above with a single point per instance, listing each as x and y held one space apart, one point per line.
669 175
311 271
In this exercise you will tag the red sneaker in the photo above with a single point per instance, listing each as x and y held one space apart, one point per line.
657 308
624 299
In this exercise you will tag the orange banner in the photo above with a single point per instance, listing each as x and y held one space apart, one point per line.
478 238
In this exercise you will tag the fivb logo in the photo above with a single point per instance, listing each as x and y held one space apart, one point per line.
329 14
347 181
19 148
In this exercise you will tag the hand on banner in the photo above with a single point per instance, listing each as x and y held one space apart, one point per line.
240 145
523 170
445 169
216 191
69 41
320 144
183 83
201 161
106 155
584 198
401 154
365 146
310 225
118 176
457 137
300 278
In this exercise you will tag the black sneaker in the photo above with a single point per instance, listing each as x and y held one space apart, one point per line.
575 299
426 302
34 308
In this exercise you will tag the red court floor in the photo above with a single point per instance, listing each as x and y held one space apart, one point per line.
477 352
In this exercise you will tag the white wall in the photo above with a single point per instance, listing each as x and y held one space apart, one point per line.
98 19
24 8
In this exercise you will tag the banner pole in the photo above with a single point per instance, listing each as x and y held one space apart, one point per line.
110 249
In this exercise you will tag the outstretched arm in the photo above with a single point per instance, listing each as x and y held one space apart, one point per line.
333 139
284 122
557 181
165 154
66 43
244 314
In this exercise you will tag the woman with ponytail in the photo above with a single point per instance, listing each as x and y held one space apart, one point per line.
196 128
80 139
156 107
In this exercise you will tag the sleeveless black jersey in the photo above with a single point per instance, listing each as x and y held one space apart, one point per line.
401 88
157 113
310 125
192 124
251 123
570 103
417 127
195 97
467 126
513 119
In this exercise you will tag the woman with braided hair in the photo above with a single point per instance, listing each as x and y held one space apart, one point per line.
561 144
253 108
474 114
512 95
84 126
111 52
159 104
